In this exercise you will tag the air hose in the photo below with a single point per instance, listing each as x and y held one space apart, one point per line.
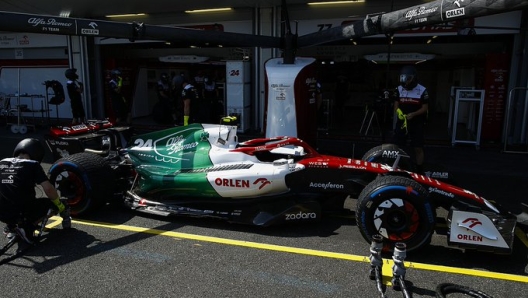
443 289
399 270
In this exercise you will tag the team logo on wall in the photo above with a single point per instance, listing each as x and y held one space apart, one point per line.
92 31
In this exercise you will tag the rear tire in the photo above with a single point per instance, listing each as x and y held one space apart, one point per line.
85 179
398 209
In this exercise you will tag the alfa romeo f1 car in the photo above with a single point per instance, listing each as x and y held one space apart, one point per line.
202 170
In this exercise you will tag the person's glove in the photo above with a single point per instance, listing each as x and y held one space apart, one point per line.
58 204
119 81
402 117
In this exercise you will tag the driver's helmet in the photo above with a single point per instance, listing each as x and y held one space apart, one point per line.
114 73
164 78
408 77
71 74
31 147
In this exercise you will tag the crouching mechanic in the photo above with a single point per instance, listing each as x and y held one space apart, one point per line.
20 210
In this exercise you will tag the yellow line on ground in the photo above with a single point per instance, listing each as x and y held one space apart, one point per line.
310 252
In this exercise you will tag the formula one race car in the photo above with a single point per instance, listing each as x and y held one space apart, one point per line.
202 170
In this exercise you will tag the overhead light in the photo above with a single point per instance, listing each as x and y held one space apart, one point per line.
208 10
335 2
126 15
65 13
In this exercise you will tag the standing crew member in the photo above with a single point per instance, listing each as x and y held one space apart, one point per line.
411 106
20 210
163 88
191 102
75 90
210 101
119 103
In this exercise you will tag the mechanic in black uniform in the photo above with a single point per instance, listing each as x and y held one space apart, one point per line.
166 102
411 107
191 103
119 103
20 210
75 90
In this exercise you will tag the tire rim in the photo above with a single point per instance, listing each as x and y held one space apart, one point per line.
71 186
396 219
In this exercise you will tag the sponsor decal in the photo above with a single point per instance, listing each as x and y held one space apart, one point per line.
58 142
24 41
301 215
437 175
328 185
9 180
232 183
472 238
471 222
262 181
51 24
458 2
174 145
318 164
7 40
386 167
408 99
390 153
420 11
353 167
280 86
79 127
87 31
455 13
442 192
240 183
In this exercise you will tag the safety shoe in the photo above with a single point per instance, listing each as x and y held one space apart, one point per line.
66 219
25 235
9 233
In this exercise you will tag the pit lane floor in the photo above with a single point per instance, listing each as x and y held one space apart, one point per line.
120 253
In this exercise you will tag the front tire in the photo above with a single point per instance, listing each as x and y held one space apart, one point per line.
85 179
387 154
398 209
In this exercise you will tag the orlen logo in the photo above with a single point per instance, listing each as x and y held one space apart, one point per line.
238 183
263 182
301 215
9 180
471 222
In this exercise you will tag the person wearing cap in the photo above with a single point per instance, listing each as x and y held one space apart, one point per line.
120 105
20 210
